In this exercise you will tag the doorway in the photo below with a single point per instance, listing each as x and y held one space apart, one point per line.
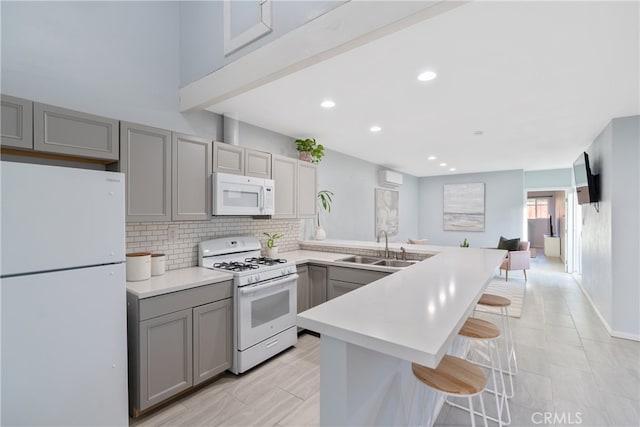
546 217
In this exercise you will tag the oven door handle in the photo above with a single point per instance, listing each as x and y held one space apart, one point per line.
271 284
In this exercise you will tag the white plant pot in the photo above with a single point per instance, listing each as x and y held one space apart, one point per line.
321 234
272 252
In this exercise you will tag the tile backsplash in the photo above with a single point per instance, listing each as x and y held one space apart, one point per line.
179 240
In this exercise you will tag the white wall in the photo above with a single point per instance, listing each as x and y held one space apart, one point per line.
504 203
202 26
610 235
115 59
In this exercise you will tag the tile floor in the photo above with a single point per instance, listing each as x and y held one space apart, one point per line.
570 369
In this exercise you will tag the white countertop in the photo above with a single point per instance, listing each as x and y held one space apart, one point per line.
176 280
413 314
379 246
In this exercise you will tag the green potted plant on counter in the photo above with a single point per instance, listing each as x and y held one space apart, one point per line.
310 150
272 249
326 199
464 244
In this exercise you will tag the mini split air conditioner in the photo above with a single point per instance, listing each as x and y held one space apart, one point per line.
390 178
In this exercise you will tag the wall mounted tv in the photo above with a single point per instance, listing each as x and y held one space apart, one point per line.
586 182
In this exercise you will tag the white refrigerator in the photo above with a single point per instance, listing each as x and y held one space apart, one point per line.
63 297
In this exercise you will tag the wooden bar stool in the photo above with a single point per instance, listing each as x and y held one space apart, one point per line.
452 377
497 301
482 330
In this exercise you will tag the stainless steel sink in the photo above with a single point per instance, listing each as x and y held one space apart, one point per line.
394 263
359 259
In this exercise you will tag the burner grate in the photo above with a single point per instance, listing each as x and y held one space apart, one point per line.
265 261
235 266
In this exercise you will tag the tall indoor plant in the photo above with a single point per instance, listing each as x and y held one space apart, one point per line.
310 150
326 198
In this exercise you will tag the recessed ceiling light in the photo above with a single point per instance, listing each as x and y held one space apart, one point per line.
443 164
426 76
432 157
452 169
328 104
375 128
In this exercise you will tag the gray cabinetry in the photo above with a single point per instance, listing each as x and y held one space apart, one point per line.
166 356
344 279
257 163
307 189
146 162
212 339
176 341
284 172
190 178
228 158
317 284
63 131
303 291
17 122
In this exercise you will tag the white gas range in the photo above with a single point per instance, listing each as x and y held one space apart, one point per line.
265 298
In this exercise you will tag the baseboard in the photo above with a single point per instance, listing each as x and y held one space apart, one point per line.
615 334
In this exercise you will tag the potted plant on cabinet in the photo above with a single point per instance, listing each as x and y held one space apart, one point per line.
310 150
272 249
325 197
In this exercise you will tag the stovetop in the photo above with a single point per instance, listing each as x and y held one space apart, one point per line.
253 263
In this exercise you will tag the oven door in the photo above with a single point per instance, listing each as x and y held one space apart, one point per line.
265 309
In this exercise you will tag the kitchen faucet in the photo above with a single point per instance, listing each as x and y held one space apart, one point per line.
386 243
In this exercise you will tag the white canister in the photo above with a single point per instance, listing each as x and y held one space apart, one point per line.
138 266
158 262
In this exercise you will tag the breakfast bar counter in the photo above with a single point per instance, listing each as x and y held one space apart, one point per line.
370 336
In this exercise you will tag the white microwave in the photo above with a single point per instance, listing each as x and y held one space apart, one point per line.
242 195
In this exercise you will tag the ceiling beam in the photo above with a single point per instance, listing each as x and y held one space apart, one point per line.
329 35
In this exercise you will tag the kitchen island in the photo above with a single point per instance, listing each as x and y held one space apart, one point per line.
370 336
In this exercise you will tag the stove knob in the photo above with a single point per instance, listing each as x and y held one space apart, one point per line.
257 277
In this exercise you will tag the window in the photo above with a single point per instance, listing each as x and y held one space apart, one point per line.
538 208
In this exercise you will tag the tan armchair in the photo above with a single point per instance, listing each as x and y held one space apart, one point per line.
517 260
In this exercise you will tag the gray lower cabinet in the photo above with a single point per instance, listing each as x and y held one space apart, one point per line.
317 284
146 162
166 357
176 341
17 122
344 279
303 291
62 131
212 339
190 178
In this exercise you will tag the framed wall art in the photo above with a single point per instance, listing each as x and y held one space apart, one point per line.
387 217
463 207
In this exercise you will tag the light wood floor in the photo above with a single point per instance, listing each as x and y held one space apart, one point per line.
568 365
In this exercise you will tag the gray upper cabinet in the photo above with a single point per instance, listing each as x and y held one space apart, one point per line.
146 162
257 163
190 178
228 158
166 358
307 189
17 122
62 131
285 171
212 339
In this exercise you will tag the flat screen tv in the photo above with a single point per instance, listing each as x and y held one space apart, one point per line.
586 182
